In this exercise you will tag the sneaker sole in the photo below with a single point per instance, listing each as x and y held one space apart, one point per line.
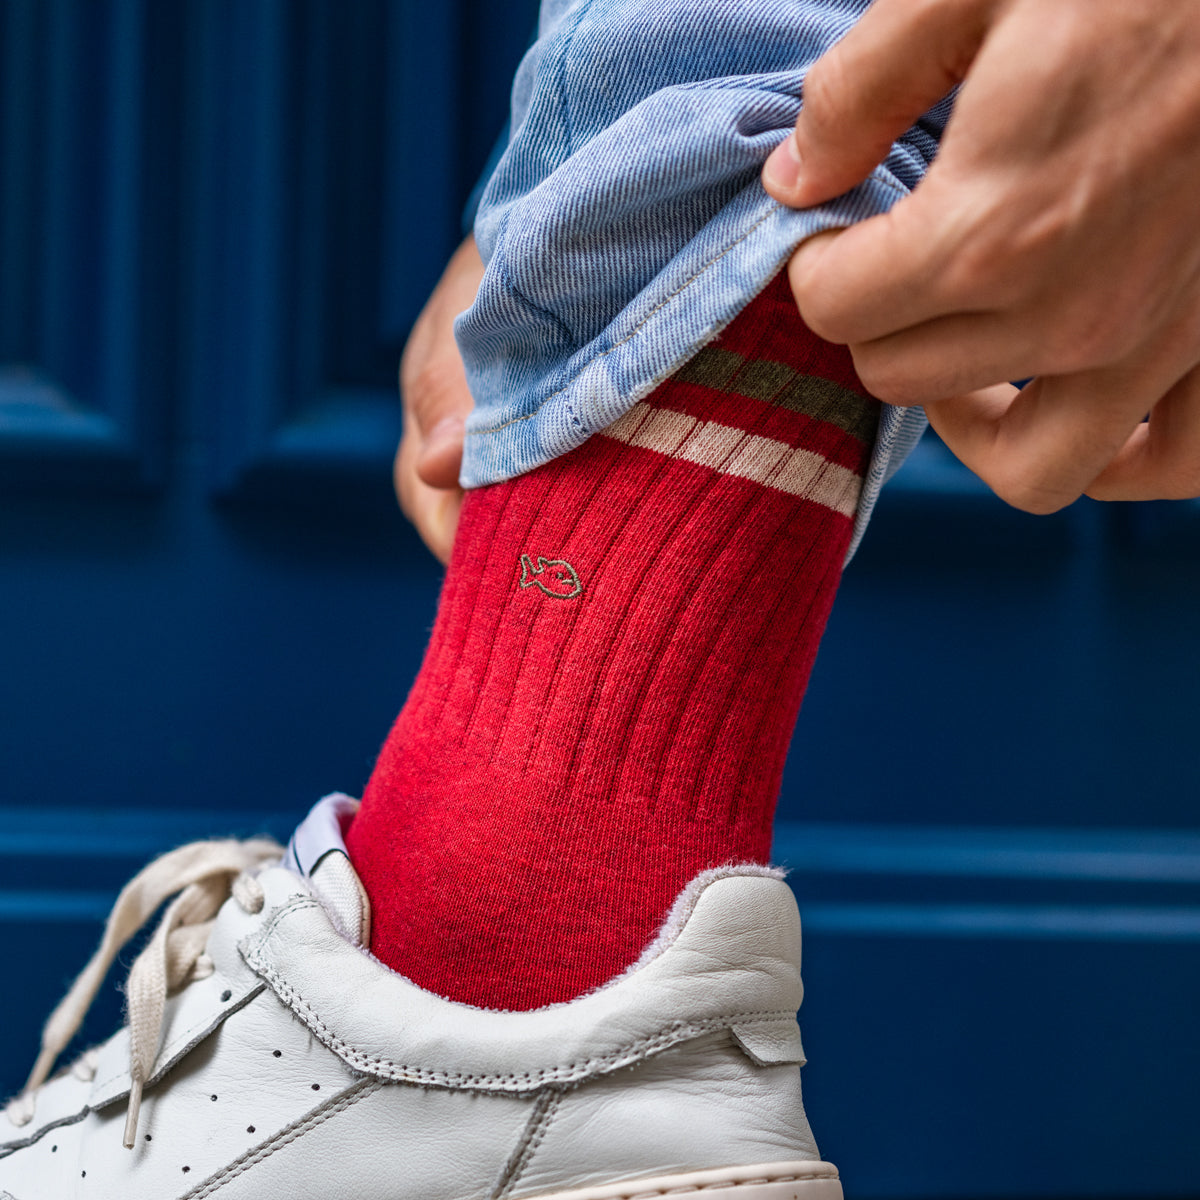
764 1181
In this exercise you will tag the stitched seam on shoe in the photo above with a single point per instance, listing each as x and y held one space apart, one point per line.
12 1147
287 1135
268 928
379 1066
637 1191
535 1130
672 1035
188 1040
719 1185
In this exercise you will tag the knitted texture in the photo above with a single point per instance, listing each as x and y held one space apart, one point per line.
621 647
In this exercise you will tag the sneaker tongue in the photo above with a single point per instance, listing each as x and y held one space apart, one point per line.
317 852
340 890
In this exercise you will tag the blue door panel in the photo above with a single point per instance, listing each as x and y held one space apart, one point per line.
218 219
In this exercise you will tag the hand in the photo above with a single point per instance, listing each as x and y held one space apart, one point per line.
433 387
1056 235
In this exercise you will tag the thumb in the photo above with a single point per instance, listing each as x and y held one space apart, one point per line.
440 457
867 89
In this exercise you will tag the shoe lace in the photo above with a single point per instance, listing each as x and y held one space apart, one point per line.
204 874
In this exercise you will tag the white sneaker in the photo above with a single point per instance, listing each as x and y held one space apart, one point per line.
289 1063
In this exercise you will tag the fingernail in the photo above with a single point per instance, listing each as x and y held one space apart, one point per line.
782 168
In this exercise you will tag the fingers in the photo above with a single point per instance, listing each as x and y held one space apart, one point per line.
428 460
1053 236
430 456
1027 450
432 510
1043 447
427 463
878 277
998 436
1161 461
902 57
440 459
949 356
436 403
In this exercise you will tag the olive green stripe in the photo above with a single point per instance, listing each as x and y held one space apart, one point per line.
778 384
710 367
829 401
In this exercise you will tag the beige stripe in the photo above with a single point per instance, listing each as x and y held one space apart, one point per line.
626 425
656 428
731 451
815 478
712 445
757 458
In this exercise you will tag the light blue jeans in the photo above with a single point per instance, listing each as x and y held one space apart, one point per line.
625 224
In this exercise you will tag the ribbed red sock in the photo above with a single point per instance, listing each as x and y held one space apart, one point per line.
622 644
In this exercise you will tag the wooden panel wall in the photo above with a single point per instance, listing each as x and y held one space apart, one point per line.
218 219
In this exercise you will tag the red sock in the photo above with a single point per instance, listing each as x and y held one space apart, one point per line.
623 640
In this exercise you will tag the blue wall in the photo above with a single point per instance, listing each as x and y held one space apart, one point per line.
217 221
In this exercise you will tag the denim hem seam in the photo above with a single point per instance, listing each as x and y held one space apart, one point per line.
878 176
712 262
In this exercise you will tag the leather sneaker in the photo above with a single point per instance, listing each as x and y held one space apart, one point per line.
267 1055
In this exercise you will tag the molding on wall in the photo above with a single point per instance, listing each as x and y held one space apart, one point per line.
1084 857
294 379
1058 922
54 906
73 410
1125 856
44 427
346 436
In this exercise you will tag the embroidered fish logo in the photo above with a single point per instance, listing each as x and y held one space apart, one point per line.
553 576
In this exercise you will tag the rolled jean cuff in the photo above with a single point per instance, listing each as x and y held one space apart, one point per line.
683 308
